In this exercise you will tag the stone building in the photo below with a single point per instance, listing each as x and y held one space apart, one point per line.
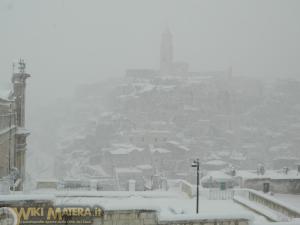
277 181
13 133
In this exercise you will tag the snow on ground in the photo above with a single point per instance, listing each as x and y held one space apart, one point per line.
170 205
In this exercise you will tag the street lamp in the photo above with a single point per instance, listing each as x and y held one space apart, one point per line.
196 164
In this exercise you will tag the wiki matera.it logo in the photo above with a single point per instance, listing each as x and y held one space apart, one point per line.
49 215
8 216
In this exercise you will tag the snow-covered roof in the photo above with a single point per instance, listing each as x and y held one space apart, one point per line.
216 163
179 145
150 131
52 180
121 149
217 176
280 147
224 153
95 171
128 170
238 156
159 150
287 158
80 168
271 174
144 167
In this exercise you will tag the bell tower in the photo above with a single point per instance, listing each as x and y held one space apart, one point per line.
19 90
166 52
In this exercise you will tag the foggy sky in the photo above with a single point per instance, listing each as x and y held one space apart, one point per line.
68 42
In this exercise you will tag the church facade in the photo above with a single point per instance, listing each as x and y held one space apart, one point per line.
13 133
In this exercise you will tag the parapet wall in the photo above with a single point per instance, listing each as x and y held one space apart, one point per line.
273 204
246 196
151 217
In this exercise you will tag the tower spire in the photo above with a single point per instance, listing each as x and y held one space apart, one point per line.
166 51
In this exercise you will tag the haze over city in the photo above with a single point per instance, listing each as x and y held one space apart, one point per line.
160 112
67 43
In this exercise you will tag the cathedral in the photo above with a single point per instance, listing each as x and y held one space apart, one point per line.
13 133
168 67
